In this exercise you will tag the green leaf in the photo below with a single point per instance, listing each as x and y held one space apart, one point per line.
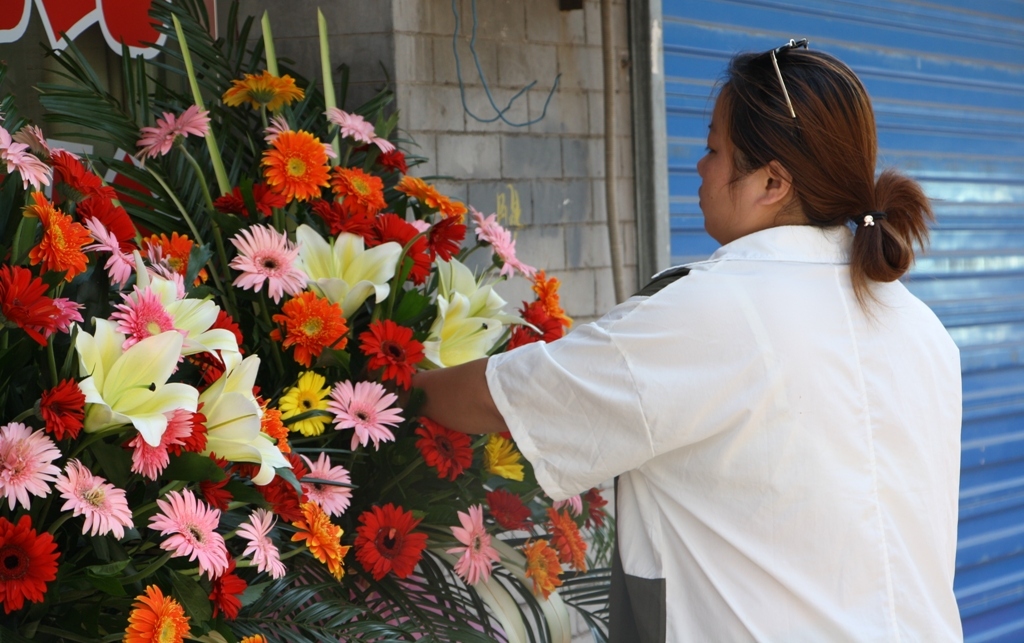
229 223
411 307
106 584
193 467
197 259
289 476
115 462
24 238
110 569
242 492
192 597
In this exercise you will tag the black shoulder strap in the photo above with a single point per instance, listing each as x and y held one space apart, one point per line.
663 279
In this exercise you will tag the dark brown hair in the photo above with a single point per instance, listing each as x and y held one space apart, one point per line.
829 149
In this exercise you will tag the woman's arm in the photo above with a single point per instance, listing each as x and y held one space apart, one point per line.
459 398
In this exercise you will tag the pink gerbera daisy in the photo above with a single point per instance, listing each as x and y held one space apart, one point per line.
352 125
489 230
32 136
26 464
262 549
18 158
575 505
364 407
141 315
333 499
157 141
265 255
104 506
478 554
191 525
67 313
148 460
120 265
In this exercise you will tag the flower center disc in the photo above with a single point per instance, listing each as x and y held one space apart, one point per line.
13 563
296 167
393 350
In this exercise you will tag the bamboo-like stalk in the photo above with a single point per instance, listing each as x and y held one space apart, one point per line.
268 45
330 100
211 140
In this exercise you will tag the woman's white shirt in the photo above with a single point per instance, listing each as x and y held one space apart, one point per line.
789 462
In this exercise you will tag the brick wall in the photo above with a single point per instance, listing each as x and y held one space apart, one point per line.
552 170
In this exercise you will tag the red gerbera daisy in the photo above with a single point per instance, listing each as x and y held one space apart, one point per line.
391 227
78 182
341 219
535 313
28 561
508 510
23 302
226 591
391 347
450 452
386 543
114 219
393 160
595 507
284 500
444 238
63 409
264 199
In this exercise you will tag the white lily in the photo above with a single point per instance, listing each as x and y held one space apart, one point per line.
193 317
130 386
344 271
233 421
456 277
456 337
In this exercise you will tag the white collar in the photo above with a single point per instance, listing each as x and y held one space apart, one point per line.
804 243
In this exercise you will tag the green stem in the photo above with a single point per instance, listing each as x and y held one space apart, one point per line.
149 569
268 45
275 350
199 175
93 437
177 203
330 100
412 466
197 96
58 522
51 361
24 414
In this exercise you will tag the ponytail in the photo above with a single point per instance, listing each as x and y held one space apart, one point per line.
884 251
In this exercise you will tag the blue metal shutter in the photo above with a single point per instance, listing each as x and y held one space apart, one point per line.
947 83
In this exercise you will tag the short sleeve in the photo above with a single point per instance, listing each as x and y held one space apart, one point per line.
572 408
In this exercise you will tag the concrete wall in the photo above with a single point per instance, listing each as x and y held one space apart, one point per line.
553 169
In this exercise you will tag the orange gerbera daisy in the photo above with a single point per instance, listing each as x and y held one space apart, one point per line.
547 293
272 425
156 619
255 638
323 538
542 567
567 540
60 249
362 194
263 90
311 324
450 208
426 194
173 251
295 166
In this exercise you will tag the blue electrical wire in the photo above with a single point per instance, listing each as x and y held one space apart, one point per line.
500 113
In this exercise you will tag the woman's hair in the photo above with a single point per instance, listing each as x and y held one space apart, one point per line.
829 149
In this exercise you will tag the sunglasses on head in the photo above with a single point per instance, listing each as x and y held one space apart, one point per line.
774 53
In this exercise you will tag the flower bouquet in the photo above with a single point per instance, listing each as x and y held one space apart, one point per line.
206 423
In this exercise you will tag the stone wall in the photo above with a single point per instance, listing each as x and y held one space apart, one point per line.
546 180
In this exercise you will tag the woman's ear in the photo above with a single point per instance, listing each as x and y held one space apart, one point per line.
777 184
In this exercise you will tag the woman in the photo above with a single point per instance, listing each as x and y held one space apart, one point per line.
783 420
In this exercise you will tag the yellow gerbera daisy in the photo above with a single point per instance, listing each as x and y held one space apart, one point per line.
263 89
308 394
501 458
295 166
